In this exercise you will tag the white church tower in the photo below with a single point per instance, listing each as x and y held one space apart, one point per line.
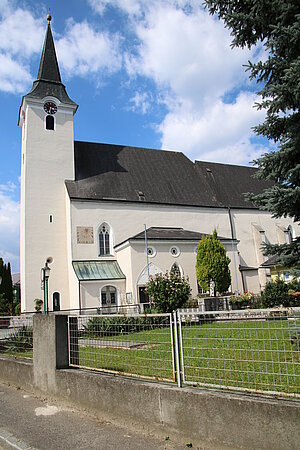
46 118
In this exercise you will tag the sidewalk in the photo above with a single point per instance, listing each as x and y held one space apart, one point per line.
27 422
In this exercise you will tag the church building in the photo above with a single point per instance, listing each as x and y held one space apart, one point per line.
106 217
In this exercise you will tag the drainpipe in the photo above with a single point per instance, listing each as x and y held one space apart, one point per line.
79 297
146 243
232 238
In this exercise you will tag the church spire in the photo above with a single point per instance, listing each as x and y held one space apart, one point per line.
48 82
49 69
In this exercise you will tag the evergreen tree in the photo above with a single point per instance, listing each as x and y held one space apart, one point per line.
274 24
6 289
212 263
1 275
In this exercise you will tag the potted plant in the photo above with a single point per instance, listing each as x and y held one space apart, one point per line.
38 305
242 301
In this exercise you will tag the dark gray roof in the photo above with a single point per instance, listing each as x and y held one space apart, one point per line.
168 234
49 69
48 81
115 172
245 268
230 182
104 171
272 261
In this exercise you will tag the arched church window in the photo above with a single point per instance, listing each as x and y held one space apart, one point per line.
176 269
104 240
56 301
49 122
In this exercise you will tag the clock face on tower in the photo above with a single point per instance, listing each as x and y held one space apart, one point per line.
50 108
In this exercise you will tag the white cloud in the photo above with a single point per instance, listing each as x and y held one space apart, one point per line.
14 77
141 102
131 7
189 53
220 133
137 8
82 50
188 56
20 33
9 226
20 38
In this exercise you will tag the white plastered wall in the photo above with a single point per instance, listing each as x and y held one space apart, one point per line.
252 227
162 261
47 160
128 219
90 292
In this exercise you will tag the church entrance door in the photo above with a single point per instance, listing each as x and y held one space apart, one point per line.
144 298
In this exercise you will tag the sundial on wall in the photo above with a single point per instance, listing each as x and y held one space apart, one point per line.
85 235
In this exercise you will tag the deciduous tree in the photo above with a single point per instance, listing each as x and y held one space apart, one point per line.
169 291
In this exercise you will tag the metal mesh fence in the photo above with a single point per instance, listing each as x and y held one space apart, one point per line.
139 345
255 350
16 335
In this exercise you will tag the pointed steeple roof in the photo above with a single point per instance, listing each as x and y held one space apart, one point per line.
48 82
49 69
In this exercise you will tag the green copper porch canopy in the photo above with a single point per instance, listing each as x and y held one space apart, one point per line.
97 270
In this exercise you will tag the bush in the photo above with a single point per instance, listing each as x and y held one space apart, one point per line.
169 291
113 326
20 341
191 302
18 309
279 293
245 300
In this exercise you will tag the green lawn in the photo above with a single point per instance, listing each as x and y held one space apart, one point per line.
250 355
149 355
19 354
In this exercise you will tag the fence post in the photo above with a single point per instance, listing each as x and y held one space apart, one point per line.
73 341
177 354
50 349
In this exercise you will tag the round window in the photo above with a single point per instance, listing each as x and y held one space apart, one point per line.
151 251
174 251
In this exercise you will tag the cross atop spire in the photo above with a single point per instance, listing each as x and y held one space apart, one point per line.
49 16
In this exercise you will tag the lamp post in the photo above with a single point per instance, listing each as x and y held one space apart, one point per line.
45 283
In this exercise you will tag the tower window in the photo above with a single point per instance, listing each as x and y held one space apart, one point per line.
56 301
49 122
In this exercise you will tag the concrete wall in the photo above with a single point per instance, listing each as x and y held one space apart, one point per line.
209 419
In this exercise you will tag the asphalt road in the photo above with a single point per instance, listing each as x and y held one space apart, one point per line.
27 422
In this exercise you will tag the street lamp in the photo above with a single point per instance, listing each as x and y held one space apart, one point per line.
45 272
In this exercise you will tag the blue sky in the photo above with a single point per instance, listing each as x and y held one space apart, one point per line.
149 73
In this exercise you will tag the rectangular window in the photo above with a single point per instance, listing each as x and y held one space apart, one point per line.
106 243
103 298
101 244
